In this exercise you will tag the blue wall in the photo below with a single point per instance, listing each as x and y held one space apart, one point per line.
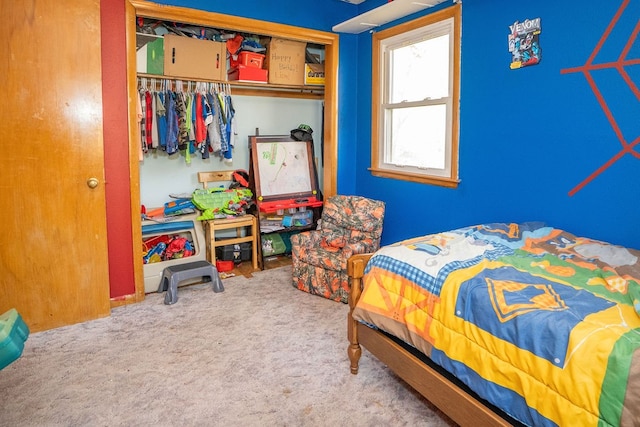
528 137
318 15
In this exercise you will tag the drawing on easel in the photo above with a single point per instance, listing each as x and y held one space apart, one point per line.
282 167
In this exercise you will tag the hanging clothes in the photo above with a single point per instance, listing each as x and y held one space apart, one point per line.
213 124
187 119
143 120
200 126
222 123
207 113
139 117
228 128
181 112
148 119
161 119
154 126
172 123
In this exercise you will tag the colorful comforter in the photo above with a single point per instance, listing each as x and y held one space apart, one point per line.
541 323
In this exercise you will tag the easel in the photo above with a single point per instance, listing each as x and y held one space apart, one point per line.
283 178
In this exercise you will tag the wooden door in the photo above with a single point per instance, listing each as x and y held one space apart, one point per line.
53 248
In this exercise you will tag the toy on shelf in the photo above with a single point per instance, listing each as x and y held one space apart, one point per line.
173 208
218 203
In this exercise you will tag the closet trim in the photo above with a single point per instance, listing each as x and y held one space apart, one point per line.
135 8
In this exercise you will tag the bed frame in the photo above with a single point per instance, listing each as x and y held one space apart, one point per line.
451 398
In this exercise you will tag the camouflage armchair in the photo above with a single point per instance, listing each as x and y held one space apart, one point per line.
349 225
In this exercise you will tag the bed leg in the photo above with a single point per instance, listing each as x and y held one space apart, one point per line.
355 270
354 351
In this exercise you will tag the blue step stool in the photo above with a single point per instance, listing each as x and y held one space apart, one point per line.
173 275
13 334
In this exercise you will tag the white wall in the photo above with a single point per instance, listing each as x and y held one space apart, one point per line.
161 175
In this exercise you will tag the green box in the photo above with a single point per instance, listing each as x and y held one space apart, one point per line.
273 244
150 57
155 57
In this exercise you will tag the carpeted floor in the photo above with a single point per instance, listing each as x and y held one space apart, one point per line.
261 353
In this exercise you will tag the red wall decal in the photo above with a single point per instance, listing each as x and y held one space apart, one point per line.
619 65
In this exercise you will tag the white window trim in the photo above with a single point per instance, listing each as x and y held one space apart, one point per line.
442 22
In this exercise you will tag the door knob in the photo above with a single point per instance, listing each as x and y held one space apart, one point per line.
92 182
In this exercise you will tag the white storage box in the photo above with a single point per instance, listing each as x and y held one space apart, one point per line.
153 271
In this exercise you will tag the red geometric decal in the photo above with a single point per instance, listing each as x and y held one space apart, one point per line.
619 65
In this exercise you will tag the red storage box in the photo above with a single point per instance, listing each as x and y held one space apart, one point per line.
251 59
248 59
224 266
250 74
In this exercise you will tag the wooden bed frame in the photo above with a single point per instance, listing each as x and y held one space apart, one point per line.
451 398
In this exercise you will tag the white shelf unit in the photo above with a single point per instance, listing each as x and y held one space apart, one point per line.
381 15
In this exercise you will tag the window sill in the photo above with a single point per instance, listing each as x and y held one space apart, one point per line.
421 179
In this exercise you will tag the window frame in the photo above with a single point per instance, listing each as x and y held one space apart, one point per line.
380 86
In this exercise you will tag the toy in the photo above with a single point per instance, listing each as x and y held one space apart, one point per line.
156 250
220 203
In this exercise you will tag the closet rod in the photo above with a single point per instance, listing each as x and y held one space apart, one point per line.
156 82
245 87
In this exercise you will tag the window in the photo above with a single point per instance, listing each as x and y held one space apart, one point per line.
415 99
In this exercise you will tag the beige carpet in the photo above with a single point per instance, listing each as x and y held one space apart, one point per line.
259 354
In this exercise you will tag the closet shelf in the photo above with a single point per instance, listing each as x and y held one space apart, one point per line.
381 15
252 88
143 38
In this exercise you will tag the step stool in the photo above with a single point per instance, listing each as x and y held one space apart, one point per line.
173 275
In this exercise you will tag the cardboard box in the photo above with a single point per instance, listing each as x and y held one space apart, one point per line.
285 61
150 57
243 73
194 58
314 74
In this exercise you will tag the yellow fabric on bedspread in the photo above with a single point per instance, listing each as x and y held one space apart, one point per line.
531 318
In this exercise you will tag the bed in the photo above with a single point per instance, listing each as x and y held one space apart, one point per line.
502 324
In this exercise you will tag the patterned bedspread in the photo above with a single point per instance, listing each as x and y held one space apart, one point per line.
541 323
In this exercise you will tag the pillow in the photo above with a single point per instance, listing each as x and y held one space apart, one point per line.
334 239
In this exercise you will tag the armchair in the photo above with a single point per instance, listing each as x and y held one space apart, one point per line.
349 225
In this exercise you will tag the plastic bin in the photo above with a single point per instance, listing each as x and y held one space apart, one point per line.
237 252
272 244
189 227
298 219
